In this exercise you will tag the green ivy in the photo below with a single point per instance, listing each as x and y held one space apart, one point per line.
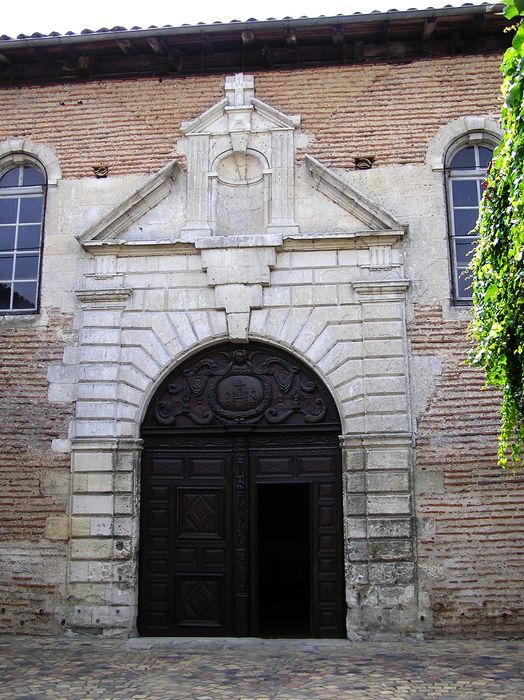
498 263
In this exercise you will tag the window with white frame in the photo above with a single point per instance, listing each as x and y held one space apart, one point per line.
22 199
465 175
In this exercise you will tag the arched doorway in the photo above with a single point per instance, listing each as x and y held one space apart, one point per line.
241 500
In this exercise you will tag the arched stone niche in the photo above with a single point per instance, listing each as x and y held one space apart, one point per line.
240 183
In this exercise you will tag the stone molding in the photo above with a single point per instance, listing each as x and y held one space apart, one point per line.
381 290
119 219
97 297
19 151
461 131
347 197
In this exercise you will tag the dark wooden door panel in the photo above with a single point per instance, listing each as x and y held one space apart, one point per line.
186 550
200 557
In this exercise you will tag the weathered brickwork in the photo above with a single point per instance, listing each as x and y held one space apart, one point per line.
388 111
33 478
471 538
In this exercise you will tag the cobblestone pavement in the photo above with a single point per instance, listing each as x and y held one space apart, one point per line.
34 668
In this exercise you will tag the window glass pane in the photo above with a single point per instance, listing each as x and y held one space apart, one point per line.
26 267
464 250
465 193
6 267
31 209
464 283
7 237
465 158
10 178
32 176
5 295
24 296
8 208
485 155
28 237
465 220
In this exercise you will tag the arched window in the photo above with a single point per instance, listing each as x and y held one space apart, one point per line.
465 174
22 199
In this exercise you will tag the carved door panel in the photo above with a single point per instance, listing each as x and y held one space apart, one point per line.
187 543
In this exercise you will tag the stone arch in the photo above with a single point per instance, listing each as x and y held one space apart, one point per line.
15 151
458 132
235 437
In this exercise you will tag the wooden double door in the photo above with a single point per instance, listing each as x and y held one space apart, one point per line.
241 535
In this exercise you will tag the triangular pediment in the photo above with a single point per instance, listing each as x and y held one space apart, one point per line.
239 110
351 200
134 207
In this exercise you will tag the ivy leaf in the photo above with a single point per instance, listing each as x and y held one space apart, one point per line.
491 292
518 40
514 95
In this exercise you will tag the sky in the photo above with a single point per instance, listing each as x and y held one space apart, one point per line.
28 16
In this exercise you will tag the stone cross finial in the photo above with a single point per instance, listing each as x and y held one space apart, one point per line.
239 89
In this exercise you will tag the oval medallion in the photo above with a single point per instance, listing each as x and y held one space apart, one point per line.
240 393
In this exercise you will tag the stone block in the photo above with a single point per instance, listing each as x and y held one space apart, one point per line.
355 482
61 393
388 458
237 326
80 526
319 295
92 504
391 573
100 482
57 527
355 505
238 298
99 571
355 527
392 596
125 527
285 278
316 258
356 574
101 526
389 527
389 505
387 481
91 548
123 482
356 550
277 296
389 550
123 504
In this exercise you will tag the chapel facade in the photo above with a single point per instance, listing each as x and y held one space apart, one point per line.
234 308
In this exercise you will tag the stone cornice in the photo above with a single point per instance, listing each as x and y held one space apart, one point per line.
97 297
371 290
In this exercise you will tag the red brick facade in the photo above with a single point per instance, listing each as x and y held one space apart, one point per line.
389 112
472 543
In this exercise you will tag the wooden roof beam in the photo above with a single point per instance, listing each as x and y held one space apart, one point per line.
159 47
126 47
429 27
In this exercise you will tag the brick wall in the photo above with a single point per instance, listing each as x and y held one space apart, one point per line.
33 478
471 539
389 111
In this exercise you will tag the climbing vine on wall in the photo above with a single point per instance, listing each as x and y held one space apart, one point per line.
498 263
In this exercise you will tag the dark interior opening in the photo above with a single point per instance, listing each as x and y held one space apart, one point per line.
284 560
